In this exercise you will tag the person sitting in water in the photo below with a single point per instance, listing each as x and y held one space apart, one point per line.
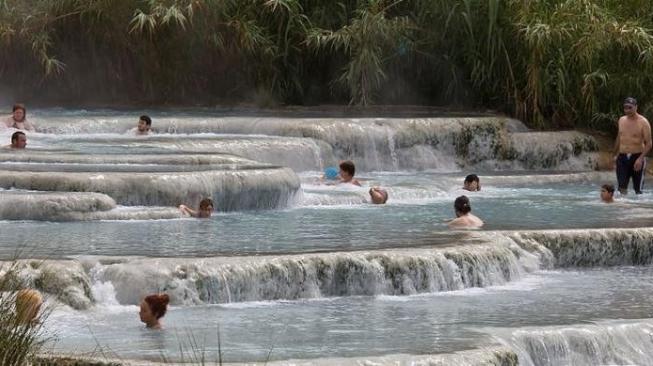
144 125
607 193
153 308
472 183
464 217
28 305
18 140
204 211
347 171
18 119
378 196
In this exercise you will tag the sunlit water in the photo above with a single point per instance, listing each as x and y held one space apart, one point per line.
296 268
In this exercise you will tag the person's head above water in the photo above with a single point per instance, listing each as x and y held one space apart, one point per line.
206 208
472 183
347 170
18 140
378 195
607 193
144 124
464 217
28 304
19 112
462 206
630 106
153 308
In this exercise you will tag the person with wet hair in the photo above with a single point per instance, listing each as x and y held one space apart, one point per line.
153 308
472 183
204 211
607 193
464 217
347 172
144 126
18 119
378 195
18 140
28 305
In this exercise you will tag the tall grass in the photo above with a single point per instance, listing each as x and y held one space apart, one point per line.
19 343
551 63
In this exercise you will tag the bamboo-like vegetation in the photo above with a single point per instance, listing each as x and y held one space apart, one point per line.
549 62
19 343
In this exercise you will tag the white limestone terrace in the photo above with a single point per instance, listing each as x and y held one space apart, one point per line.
392 143
479 260
148 180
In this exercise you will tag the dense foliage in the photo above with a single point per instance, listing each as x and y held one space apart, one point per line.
550 62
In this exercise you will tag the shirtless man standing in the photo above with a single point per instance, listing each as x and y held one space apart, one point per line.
632 144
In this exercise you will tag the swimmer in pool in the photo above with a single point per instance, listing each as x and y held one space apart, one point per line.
144 126
464 218
472 183
18 119
18 140
204 211
153 308
607 193
347 172
378 195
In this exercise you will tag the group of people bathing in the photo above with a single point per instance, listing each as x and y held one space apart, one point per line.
18 120
462 206
632 144
28 303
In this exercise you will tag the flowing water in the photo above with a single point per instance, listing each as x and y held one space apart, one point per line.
295 271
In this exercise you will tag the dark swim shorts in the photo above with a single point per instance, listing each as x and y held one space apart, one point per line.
626 170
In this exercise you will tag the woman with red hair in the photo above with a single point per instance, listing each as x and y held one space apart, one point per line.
153 308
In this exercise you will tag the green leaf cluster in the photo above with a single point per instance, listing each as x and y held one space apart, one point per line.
552 63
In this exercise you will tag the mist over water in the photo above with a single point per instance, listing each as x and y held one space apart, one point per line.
91 210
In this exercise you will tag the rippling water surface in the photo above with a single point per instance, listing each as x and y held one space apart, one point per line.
298 269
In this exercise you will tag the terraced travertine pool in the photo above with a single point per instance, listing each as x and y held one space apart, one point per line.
295 271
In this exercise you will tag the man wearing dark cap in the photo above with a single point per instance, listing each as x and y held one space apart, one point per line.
632 144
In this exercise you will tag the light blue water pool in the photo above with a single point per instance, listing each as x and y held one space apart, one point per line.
315 272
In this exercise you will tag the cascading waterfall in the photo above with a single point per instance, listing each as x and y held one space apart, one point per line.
495 356
587 248
604 343
352 257
566 147
374 143
393 149
234 184
223 280
502 258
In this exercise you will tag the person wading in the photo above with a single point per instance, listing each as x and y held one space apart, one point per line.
631 146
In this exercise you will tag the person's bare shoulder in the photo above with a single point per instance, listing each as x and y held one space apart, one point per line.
621 120
456 223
